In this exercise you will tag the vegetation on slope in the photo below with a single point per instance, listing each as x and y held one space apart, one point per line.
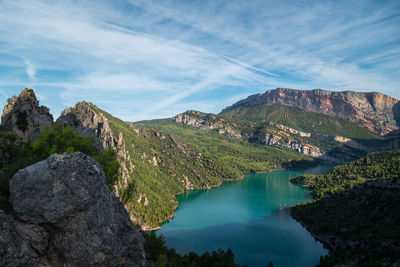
158 253
360 224
238 155
163 160
357 210
343 177
16 154
301 120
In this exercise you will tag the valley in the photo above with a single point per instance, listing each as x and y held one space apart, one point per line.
150 164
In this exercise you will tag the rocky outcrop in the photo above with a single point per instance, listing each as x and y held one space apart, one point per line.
70 119
322 137
205 121
84 114
24 117
375 111
301 147
66 216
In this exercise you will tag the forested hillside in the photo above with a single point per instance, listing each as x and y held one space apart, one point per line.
356 212
159 162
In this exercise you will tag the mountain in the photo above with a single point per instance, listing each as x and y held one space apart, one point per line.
322 143
158 163
375 111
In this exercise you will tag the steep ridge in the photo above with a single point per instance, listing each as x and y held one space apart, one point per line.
23 116
375 111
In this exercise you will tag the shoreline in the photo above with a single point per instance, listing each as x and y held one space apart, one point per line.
326 243
211 187
220 184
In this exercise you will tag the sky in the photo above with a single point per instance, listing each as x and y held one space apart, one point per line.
150 59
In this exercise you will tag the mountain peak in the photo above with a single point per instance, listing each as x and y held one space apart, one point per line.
23 115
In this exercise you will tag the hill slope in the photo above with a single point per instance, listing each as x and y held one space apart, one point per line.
358 213
375 111
269 133
300 120
156 165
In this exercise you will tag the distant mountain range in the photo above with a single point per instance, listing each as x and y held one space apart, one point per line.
375 111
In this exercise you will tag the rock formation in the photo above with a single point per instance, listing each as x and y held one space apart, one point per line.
83 115
23 116
70 119
205 121
375 111
65 215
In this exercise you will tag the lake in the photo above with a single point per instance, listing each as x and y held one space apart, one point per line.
250 216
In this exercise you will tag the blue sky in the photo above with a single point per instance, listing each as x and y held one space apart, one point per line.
151 59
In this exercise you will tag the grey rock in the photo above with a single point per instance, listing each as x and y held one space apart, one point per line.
70 119
14 251
87 225
36 117
87 115
34 234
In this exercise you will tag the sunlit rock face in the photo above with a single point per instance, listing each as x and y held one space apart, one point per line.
377 112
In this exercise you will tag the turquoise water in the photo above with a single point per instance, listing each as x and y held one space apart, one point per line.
251 217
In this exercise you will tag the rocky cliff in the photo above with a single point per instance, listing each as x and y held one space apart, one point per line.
375 111
271 134
65 215
23 116
205 121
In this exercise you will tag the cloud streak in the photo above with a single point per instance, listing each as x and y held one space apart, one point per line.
148 59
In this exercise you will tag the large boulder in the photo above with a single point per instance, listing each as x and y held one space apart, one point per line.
23 116
87 225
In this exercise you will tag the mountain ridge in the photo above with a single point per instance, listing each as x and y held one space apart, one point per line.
375 111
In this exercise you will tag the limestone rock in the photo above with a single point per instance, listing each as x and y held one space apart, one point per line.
375 111
70 119
23 116
86 223
14 251
86 115
206 121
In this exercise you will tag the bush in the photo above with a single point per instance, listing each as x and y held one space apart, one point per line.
57 139
22 122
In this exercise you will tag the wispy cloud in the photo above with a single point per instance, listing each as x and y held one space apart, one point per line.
30 69
148 59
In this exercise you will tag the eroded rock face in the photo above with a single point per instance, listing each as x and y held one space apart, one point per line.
23 116
70 119
86 224
205 121
86 116
375 111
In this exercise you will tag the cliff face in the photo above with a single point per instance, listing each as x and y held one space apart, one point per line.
65 215
24 117
205 121
375 111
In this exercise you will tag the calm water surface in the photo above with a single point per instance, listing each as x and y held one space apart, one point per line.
251 217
